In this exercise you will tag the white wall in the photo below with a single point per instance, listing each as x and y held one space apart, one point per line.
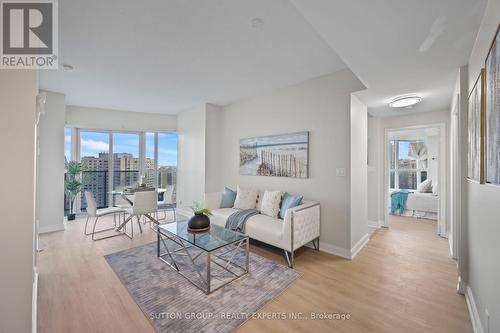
432 143
483 204
18 90
358 173
375 156
213 141
191 157
51 164
320 106
94 118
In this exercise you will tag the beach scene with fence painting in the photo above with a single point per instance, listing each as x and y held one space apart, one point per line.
283 155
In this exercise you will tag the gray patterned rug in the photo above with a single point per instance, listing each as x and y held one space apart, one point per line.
173 304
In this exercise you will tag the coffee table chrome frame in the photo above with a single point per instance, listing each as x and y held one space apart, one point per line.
182 250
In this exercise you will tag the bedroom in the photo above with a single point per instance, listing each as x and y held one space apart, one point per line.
413 172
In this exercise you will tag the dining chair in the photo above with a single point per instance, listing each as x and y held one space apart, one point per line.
93 212
145 204
167 203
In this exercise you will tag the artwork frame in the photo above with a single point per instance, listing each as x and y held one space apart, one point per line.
476 130
492 111
279 155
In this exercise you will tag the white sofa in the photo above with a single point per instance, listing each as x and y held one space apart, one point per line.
299 227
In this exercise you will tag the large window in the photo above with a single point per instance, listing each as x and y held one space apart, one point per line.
94 155
405 171
116 160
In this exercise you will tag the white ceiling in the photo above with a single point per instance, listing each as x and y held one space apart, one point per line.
169 55
398 47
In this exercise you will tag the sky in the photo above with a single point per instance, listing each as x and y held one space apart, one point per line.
93 143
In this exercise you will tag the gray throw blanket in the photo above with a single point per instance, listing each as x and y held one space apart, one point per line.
236 221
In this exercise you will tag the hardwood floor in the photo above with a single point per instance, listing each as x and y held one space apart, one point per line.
403 280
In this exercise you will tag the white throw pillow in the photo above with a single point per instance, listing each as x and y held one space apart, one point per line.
245 199
271 203
435 189
259 201
425 186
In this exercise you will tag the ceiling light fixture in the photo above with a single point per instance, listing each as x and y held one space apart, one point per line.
256 22
67 68
405 101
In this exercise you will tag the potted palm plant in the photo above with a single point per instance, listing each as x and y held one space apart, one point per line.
73 186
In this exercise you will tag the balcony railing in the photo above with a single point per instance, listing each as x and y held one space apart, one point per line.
97 182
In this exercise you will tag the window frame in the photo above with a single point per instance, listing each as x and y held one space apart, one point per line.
76 150
394 153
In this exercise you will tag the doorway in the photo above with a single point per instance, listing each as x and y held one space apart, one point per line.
415 172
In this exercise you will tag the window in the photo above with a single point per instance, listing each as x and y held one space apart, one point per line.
131 158
167 162
404 168
94 155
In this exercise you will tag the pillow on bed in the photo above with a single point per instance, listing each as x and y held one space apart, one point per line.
425 186
435 189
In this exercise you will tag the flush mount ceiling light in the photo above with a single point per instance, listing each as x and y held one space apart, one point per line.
256 22
67 68
405 101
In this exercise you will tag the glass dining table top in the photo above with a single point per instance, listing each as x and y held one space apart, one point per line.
210 240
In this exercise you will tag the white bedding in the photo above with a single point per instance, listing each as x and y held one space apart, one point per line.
423 202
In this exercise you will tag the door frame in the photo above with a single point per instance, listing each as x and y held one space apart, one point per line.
442 164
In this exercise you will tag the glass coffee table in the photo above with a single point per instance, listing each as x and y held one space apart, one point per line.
209 260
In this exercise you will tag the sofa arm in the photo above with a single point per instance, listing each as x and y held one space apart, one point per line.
213 200
302 224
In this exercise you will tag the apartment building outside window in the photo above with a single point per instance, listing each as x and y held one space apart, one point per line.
405 171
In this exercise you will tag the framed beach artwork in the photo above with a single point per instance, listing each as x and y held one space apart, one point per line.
475 137
492 69
282 155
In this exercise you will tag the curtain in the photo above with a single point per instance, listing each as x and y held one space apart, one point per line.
419 151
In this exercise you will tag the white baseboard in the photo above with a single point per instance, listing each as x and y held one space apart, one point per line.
34 298
474 314
335 250
372 226
51 228
342 252
359 245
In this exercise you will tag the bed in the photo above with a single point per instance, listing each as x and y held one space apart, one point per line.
422 205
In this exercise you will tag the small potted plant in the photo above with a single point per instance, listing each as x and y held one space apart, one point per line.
73 186
200 221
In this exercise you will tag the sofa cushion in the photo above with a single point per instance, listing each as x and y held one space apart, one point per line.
259 201
219 216
271 203
264 228
289 201
245 198
228 197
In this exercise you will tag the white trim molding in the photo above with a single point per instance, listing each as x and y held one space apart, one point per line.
335 250
372 226
51 228
359 245
340 251
474 314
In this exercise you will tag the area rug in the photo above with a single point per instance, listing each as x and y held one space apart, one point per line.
173 304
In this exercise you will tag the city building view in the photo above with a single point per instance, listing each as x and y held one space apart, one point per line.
103 173
404 171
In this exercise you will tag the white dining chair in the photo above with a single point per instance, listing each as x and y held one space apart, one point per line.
93 212
167 203
145 204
